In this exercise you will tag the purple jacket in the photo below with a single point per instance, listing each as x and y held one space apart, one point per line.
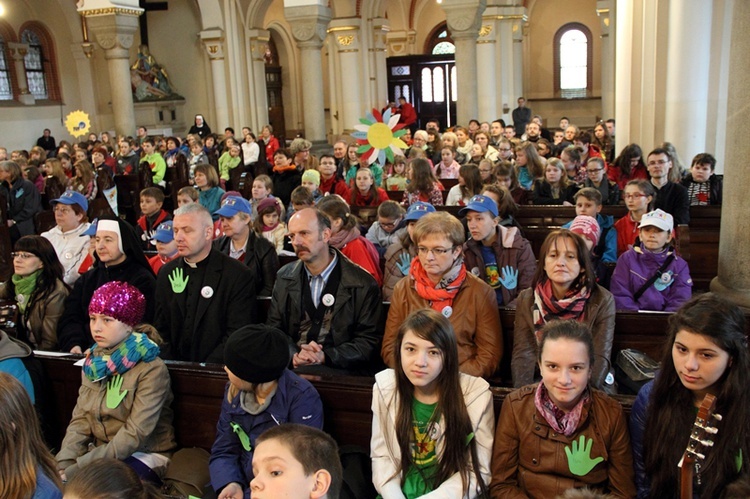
636 266
295 401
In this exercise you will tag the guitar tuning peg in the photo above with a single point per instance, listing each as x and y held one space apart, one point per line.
707 443
711 430
718 417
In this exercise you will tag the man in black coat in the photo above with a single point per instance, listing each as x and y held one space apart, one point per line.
521 117
47 142
328 306
202 296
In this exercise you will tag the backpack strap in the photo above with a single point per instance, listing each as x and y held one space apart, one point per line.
654 277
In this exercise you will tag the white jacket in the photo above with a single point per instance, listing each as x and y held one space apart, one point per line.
478 399
71 249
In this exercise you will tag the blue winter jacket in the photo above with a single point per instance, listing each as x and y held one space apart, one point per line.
295 401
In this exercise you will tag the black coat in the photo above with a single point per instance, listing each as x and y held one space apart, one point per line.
260 258
24 201
230 306
355 329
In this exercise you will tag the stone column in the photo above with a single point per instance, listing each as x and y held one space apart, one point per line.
605 9
113 30
213 41
309 24
85 77
378 54
258 40
489 82
18 52
733 280
464 18
687 78
346 46
520 29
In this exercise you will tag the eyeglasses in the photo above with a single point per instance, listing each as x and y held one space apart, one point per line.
436 252
594 170
389 225
634 196
63 210
504 149
21 255
658 162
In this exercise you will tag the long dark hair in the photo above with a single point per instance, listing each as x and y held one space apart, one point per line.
433 327
472 180
51 271
422 179
671 406
629 152
586 277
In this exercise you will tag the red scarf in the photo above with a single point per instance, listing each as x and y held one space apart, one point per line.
548 308
442 294
282 169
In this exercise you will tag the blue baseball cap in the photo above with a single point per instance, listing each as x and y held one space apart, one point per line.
480 204
233 205
71 197
163 233
418 210
91 231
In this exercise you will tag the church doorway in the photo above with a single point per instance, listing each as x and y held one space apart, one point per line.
429 83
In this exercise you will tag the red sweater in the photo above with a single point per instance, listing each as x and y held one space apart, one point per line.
363 253
360 200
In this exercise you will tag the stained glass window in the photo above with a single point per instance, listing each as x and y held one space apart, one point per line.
6 91
34 64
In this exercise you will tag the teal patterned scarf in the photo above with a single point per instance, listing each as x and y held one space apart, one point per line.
136 347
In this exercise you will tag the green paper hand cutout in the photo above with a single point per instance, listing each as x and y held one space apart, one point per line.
579 459
244 439
178 282
738 461
114 396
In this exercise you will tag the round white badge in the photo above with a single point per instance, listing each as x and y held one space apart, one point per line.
328 299
475 271
447 311
68 255
207 292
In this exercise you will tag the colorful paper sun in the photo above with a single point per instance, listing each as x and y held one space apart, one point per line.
378 137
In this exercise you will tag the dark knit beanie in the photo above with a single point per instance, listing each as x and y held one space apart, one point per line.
257 353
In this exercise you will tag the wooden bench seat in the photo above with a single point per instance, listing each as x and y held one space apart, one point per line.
198 390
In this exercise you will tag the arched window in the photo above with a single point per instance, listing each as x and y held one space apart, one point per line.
34 66
40 65
6 88
573 61
439 42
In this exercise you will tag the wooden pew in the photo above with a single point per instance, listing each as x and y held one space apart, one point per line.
198 390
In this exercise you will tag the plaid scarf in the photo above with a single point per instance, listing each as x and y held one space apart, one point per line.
561 422
548 308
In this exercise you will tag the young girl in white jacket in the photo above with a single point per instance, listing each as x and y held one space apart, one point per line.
432 427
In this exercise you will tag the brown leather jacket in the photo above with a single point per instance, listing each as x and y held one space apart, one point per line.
475 320
529 458
599 314
41 320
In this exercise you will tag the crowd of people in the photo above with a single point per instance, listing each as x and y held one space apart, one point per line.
185 285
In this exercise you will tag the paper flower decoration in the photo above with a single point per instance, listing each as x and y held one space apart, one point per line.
378 137
77 123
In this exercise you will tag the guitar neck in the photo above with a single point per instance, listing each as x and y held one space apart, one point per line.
697 441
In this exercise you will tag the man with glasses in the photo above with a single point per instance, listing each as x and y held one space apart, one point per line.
670 196
328 306
505 150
